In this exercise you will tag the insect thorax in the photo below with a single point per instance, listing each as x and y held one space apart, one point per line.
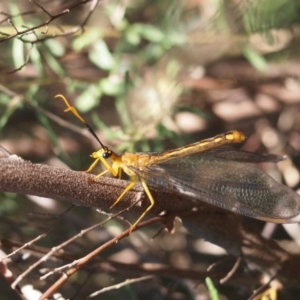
136 160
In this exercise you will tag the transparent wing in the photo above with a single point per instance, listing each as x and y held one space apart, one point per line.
225 178
225 152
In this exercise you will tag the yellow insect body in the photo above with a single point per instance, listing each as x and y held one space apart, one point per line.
128 161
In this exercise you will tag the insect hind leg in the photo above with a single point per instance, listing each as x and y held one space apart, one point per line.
146 189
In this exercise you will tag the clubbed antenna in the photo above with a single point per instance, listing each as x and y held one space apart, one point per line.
76 114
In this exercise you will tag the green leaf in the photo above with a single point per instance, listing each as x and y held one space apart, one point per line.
10 109
174 39
89 98
137 31
255 59
54 64
112 88
132 34
4 99
101 56
55 47
18 53
35 58
151 33
87 39
211 289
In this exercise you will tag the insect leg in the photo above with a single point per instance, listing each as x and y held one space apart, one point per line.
113 171
107 166
127 189
120 173
92 166
146 189
101 174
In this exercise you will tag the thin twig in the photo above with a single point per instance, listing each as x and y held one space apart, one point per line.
120 285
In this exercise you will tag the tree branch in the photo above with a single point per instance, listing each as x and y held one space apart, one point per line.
215 225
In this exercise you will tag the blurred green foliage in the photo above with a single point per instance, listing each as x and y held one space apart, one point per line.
124 70
125 44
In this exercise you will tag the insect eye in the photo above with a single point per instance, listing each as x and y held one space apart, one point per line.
106 155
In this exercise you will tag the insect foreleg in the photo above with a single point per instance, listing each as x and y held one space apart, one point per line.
101 174
92 166
113 171
108 168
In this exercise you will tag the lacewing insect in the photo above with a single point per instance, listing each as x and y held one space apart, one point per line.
206 171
